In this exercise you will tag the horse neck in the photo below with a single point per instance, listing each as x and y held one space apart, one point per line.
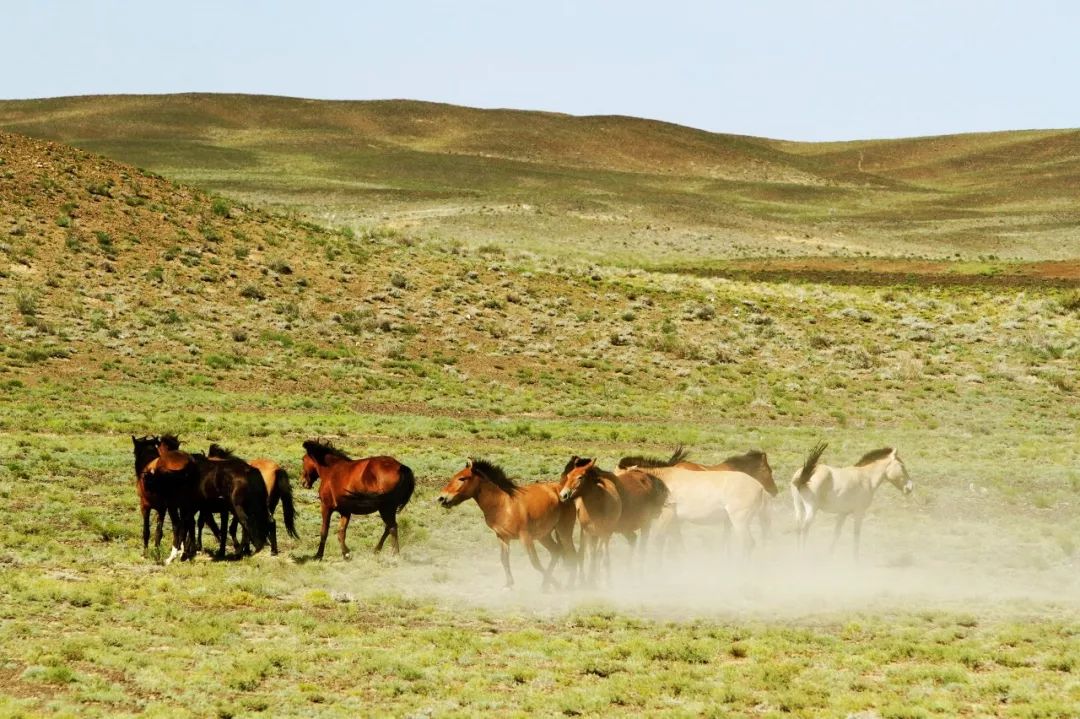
873 474
494 502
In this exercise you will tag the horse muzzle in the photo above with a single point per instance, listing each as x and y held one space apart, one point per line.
564 495
908 487
442 500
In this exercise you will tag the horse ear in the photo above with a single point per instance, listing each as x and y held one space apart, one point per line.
591 462
468 463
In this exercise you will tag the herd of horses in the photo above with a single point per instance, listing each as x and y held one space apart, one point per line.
640 496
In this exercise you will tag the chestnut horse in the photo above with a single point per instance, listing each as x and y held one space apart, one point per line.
356 486
598 506
529 513
642 498
278 489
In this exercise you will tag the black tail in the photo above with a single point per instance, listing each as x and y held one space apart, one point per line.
406 485
250 508
658 494
810 463
679 455
288 510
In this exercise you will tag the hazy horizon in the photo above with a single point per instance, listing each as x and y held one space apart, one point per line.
835 71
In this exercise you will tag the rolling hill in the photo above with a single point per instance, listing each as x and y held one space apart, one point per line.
612 189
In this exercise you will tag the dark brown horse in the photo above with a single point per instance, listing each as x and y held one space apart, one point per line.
278 489
194 483
530 513
146 451
356 486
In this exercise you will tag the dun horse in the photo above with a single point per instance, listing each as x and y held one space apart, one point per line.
356 486
529 513
598 506
753 463
843 491
278 489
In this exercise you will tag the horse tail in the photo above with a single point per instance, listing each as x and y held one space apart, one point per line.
679 455
253 512
658 493
405 486
288 510
810 464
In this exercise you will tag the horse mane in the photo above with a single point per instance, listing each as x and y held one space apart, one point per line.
171 441
216 451
679 455
574 462
746 463
494 474
320 449
873 456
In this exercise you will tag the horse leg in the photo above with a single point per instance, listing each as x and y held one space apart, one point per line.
223 535
594 559
273 537
857 521
765 518
326 513
343 526
555 549
178 525
389 518
631 537
840 518
145 530
232 533
530 549
809 512
504 555
607 558
797 505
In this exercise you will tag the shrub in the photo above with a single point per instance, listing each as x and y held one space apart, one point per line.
27 302
399 280
220 207
253 292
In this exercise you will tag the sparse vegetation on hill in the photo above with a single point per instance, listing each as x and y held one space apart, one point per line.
610 188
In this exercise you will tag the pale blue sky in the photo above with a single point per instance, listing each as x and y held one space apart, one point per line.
795 70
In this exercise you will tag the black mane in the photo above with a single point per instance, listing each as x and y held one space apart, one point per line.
746 463
679 455
216 451
874 455
320 449
494 474
171 441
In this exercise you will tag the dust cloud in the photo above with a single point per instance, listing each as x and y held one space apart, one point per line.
910 561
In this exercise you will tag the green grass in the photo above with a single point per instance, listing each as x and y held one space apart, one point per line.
391 340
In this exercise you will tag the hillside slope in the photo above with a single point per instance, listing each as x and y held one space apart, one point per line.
111 277
611 188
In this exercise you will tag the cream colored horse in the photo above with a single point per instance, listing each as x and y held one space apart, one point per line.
843 491
711 497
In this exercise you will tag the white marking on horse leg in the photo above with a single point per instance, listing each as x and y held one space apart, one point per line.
172 555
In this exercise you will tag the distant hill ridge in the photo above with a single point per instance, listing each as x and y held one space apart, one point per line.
436 166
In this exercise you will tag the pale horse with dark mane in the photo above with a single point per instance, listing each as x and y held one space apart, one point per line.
843 491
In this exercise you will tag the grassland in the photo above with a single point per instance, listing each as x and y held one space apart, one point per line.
602 188
134 305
